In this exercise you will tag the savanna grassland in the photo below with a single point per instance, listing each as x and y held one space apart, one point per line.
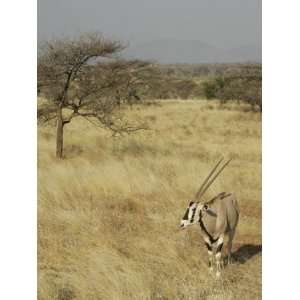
108 214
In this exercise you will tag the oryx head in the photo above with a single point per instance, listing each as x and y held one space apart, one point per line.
192 214
195 208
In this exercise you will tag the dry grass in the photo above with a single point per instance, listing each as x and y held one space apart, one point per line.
108 213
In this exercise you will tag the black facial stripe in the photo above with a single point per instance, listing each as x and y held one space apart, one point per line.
219 248
186 215
193 215
208 246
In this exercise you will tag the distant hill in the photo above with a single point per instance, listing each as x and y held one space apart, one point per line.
170 51
244 54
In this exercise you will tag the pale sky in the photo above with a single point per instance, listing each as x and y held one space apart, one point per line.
222 23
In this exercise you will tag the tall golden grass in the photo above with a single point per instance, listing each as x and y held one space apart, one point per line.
108 214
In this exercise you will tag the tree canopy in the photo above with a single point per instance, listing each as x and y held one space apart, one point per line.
84 77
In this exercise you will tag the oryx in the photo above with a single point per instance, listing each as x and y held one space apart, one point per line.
217 217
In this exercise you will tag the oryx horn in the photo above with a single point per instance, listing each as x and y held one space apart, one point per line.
207 183
208 177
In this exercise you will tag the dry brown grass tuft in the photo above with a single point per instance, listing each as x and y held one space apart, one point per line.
109 212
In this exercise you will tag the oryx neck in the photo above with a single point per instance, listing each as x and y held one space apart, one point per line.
211 239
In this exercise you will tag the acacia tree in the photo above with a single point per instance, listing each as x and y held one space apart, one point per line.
240 83
74 83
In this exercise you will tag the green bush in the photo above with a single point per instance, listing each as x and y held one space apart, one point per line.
240 83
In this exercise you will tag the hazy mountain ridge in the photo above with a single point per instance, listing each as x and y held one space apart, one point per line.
180 51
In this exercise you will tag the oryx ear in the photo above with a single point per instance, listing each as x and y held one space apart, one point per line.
191 203
208 210
205 207
211 212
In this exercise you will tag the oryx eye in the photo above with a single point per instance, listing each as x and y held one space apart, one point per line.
191 203
205 206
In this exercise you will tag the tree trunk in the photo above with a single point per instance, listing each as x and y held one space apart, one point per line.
59 133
